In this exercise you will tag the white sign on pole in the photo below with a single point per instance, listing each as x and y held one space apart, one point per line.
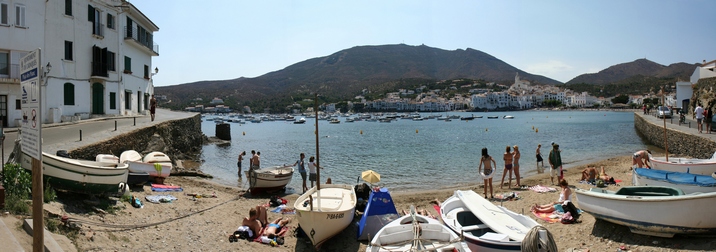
30 104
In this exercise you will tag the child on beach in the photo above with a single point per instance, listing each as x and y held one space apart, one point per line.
488 172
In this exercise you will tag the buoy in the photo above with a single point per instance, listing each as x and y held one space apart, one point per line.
485 129
244 133
361 132
416 131
536 130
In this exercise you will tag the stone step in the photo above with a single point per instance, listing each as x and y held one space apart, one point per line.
50 244
7 240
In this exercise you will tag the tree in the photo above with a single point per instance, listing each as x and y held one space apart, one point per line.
620 99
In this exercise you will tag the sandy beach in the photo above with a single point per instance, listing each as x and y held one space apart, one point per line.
204 223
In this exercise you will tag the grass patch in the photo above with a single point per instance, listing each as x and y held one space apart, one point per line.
17 205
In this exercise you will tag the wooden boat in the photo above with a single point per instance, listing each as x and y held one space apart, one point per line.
269 178
690 165
324 213
79 176
107 158
486 227
687 182
652 210
416 233
130 155
156 157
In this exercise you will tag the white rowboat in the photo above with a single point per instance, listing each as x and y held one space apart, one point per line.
416 233
325 213
689 183
690 165
269 178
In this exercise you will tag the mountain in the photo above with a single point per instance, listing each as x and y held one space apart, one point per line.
345 73
641 67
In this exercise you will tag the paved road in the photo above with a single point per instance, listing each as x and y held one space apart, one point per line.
673 123
66 136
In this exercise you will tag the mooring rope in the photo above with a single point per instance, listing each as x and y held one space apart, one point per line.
533 243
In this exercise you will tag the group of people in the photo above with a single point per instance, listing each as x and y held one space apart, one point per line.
703 116
258 220
254 161
312 169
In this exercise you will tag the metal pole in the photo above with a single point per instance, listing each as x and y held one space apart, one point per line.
115 125
666 141
135 121
318 164
80 135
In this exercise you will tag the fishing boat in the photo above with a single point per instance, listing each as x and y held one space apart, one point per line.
492 117
156 157
137 165
689 183
652 210
269 178
486 227
335 121
508 117
690 165
415 232
300 121
379 211
79 176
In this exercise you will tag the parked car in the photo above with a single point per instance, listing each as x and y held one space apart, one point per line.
663 112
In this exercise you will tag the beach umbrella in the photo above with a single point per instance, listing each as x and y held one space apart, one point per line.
370 176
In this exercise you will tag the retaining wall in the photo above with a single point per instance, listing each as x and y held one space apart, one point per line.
679 142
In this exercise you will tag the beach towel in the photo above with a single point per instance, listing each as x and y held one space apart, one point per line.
160 198
166 188
437 209
541 189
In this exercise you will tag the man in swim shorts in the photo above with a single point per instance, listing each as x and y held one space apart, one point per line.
555 163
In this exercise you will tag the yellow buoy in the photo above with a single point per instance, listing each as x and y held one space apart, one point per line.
536 130
533 127
315 132
361 132
416 131
244 133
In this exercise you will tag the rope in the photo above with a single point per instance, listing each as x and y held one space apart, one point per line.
533 243
134 226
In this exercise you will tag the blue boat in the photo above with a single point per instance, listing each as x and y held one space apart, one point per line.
688 182
379 211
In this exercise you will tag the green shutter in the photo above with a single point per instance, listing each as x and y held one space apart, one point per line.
127 64
69 94
90 13
112 100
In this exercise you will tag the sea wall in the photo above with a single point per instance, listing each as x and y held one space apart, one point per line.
180 139
679 142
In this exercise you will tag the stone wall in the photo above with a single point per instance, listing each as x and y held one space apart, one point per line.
680 143
179 139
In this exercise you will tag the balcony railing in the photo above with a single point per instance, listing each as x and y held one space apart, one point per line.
99 69
11 71
145 40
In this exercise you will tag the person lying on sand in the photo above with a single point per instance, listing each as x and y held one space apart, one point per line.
275 226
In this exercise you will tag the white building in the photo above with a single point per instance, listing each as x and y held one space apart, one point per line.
706 70
684 91
100 53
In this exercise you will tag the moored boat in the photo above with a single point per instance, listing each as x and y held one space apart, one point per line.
300 121
486 227
269 178
652 210
324 213
690 165
687 182
416 233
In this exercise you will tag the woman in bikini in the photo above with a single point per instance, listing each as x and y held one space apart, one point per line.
516 164
488 172
508 167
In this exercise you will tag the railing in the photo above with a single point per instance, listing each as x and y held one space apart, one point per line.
143 39
11 71
99 69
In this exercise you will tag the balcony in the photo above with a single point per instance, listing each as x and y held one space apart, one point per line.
144 40
99 69
9 71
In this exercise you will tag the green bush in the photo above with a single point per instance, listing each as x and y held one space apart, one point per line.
17 181
16 205
49 194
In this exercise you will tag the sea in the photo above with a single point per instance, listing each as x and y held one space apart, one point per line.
418 155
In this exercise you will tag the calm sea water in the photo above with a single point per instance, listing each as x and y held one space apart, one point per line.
423 154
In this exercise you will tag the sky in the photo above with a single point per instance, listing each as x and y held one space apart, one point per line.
228 39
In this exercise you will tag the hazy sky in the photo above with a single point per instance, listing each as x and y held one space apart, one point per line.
218 40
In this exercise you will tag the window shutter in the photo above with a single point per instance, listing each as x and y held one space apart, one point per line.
90 13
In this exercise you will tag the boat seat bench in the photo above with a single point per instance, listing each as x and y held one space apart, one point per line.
474 227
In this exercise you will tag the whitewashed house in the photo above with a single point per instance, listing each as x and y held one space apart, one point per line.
684 91
100 53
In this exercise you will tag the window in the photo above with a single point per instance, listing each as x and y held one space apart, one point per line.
68 7
3 14
146 72
110 61
110 21
69 89
112 100
68 50
17 104
127 64
20 15
4 63
95 16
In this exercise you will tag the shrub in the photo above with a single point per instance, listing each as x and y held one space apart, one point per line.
16 180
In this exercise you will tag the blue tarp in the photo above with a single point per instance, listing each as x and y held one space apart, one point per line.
676 177
379 211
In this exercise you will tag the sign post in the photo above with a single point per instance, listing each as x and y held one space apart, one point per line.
32 137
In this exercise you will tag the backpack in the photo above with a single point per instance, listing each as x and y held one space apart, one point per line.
572 210
275 201
567 218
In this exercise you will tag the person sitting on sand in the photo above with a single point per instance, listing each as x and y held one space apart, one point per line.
564 195
274 228
589 174
256 220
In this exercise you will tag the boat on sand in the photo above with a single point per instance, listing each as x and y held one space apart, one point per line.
689 165
325 212
689 183
269 178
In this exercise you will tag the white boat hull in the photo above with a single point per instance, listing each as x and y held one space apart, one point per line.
164 172
269 178
661 216
486 227
398 235
689 165
324 216
157 157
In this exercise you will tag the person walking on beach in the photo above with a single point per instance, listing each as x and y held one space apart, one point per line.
488 172
302 170
241 159
699 114
508 167
312 170
540 161
516 164
153 108
555 163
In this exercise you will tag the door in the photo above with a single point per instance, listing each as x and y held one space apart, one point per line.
3 110
97 99
139 101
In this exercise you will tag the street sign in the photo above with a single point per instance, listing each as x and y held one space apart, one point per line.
30 104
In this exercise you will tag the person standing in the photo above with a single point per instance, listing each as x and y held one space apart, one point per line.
302 170
312 170
488 172
516 164
540 161
241 159
641 159
699 114
508 167
555 163
252 159
257 161
153 108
